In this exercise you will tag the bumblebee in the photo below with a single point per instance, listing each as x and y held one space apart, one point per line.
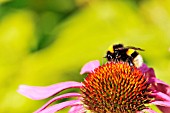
128 54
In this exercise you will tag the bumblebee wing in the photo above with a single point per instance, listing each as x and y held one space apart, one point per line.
135 48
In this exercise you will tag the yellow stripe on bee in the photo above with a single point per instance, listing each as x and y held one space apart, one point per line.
111 49
130 51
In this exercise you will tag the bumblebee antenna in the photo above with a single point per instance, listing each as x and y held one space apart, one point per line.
103 60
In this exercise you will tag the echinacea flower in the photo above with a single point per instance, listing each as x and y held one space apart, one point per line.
114 87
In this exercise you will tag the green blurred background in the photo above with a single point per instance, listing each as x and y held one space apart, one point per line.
45 42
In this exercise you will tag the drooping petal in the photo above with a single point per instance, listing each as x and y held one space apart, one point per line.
38 92
67 95
162 86
165 90
144 68
57 107
161 82
162 103
90 66
161 96
164 109
150 73
77 109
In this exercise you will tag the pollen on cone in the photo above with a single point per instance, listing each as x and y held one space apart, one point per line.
115 88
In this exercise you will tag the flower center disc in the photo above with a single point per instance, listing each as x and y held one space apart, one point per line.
115 88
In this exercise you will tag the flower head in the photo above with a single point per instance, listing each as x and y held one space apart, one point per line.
110 88
116 88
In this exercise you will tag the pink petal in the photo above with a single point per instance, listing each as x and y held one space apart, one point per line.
162 86
161 82
77 109
164 109
90 66
38 92
150 73
58 98
57 107
144 68
161 96
162 103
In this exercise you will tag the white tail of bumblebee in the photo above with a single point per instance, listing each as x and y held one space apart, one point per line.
138 61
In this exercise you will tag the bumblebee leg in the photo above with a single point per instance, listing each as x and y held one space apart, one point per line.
130 61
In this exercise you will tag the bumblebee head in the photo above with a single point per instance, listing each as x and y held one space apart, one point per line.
113 52
109 56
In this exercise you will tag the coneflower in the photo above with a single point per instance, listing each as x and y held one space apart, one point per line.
113 87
